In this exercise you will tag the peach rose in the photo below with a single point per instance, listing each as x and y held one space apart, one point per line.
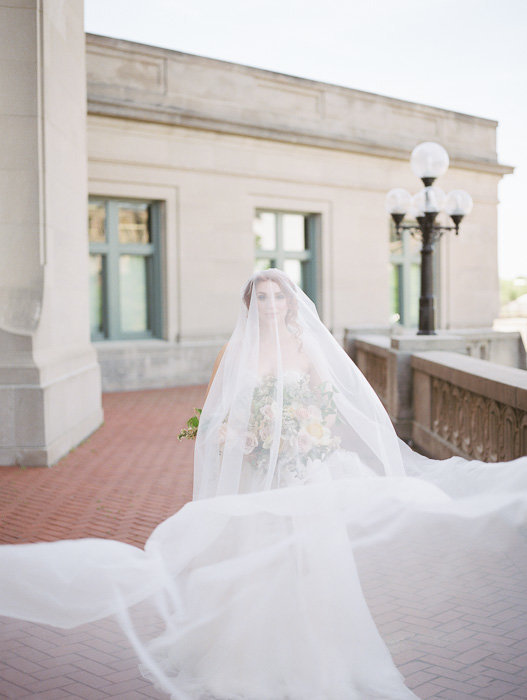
305 442
250 443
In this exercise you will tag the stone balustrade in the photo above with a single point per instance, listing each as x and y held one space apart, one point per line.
372 359
447 403
468 407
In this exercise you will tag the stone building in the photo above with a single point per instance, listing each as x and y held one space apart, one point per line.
197 170
245 166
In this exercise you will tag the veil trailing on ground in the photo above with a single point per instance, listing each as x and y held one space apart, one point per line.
320 555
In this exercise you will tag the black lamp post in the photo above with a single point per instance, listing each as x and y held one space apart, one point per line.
429 160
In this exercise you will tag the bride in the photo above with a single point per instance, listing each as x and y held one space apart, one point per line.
316 546
286 406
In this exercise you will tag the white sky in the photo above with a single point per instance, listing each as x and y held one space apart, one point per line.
465 55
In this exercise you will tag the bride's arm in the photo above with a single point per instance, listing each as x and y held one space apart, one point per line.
215 368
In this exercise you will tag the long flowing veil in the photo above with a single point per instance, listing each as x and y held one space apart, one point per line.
286 401
321 558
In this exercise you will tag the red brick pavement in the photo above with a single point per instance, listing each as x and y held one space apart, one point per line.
122 481
133 473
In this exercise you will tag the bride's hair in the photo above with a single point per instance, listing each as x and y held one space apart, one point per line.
287 287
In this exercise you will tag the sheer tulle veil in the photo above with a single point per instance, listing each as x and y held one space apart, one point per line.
319 553
285 398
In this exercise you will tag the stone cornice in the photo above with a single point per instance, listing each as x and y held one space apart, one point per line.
162 115
125 45
137 82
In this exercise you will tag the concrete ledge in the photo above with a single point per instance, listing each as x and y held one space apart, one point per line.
154 364
376 344
468 407
505 384
47 456
504 348
400 366
40 424
377 335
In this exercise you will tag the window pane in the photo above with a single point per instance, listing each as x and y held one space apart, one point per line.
264 229
293 268
263 264
396 243
293 227
96 295
405 278
413 245
412 308
96 221
133 293
134 225
396 293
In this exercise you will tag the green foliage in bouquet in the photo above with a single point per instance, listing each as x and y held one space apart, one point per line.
190 432
308 416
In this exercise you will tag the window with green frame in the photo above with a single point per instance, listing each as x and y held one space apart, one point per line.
125 297
405 283
289 241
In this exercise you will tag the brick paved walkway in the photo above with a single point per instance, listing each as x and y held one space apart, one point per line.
132 474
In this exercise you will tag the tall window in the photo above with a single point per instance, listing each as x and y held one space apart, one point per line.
288 241
125 300
405 258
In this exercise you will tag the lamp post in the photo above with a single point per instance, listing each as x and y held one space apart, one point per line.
428 161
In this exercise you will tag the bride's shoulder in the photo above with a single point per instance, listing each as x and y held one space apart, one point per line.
215 367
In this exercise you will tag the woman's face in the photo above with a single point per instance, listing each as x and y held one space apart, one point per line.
272 302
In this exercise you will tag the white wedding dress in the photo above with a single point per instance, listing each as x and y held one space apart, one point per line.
317 544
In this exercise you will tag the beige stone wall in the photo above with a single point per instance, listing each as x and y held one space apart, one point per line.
49 377
212 184
160 85
21 236
215 141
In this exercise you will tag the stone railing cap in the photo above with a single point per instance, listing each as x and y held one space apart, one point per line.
505 384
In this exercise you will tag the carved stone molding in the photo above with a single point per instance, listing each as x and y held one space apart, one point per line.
147 83
478 426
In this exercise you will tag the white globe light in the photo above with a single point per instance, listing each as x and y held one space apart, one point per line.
413 212
429 159
398 201
458 202
429 199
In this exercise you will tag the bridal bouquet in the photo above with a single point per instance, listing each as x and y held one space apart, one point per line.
191 430
308 415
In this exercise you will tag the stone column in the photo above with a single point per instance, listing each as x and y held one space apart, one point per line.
50 396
